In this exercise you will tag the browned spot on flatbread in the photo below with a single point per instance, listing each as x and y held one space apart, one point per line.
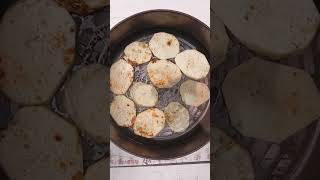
60 40
144 132
154 114
169 42
77 176
58 137
69 55
76 6
133 120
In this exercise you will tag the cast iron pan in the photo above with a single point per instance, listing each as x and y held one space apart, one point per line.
192 34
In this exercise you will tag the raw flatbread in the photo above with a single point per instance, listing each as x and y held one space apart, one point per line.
98 171
85 100
270 28
234 163
83 7
219 39
149 123
194 93
270 101
177 116
144 94
163 73
193 64
121 77
35 55
38 144
164 45
137 53
123 111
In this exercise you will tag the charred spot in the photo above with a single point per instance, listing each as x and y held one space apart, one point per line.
169 42
58 137
128 105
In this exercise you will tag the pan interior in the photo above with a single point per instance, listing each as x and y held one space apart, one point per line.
165 95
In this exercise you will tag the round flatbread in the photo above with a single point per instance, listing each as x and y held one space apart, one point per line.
149 123
233 162
137 53
194 93
144 94
164 45
270 101
121 77
85 100
177 116
38 144
83 7
123 111
35 55
193 64
269 27
98 171
163 73
219 39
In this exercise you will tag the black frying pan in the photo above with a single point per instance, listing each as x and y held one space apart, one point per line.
192 34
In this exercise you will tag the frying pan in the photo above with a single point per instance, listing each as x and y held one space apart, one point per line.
191 33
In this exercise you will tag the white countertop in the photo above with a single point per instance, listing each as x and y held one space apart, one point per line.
127 166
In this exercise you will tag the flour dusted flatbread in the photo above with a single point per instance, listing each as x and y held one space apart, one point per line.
83 7
270 101
38 144
164 45
177 116
123 111
193 64
219 39
36 50
233 162
121 77
163 73
138 53
270 27
85 100
194 93
98 171
149 123
144 94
